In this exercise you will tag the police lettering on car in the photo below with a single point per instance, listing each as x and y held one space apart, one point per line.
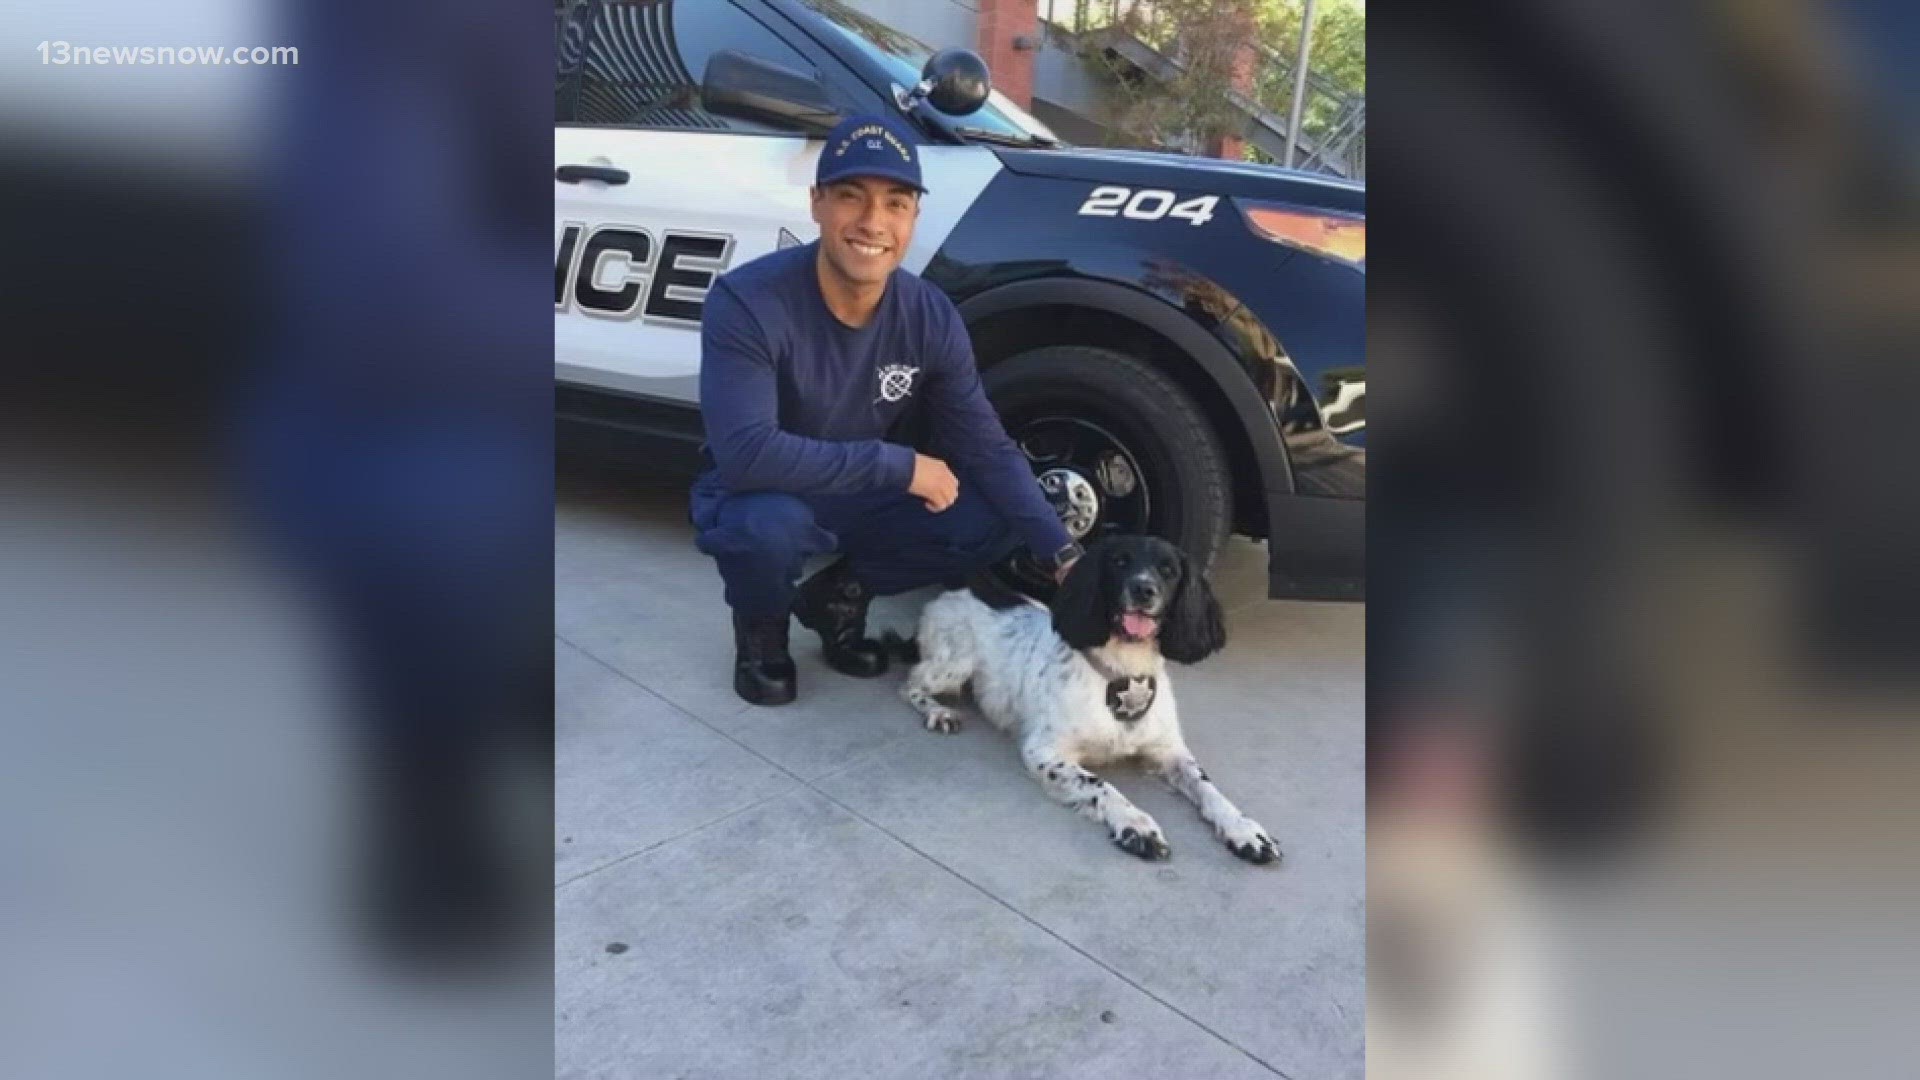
612 272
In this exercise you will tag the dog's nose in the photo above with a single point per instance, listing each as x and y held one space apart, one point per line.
1143 590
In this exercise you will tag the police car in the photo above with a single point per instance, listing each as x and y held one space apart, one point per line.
1177 344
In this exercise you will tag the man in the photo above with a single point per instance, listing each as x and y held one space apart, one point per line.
809 357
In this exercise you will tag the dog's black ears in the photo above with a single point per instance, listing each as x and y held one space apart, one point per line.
1194 628
1080 614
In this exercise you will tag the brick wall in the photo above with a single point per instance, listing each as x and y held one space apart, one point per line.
1233 147
1001 21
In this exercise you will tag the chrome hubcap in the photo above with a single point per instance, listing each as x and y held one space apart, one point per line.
1073 498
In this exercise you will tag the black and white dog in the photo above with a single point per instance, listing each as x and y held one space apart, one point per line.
1086 684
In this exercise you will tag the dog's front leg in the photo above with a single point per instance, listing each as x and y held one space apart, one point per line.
935 676
1129 826
1242 835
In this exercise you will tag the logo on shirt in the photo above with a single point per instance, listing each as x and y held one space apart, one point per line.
896 381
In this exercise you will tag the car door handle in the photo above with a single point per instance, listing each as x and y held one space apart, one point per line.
573 174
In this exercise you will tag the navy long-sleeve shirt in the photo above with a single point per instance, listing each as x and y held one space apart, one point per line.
795 400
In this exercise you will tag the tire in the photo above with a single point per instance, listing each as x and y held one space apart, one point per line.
1182 470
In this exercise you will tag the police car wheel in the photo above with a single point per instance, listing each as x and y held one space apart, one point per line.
1117 446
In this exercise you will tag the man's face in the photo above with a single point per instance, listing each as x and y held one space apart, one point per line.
865 224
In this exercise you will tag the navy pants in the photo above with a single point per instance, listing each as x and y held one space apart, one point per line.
760 540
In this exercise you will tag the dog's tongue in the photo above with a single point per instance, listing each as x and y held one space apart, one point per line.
1137 625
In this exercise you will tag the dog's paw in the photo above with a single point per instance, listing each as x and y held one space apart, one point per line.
943 720
1246 839
1143 842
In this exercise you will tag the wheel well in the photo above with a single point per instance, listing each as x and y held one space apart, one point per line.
1009 333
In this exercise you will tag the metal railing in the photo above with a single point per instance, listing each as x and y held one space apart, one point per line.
1333 120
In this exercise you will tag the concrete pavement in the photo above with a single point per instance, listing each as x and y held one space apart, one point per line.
827 890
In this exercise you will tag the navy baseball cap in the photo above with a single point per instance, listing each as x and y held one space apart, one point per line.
870 146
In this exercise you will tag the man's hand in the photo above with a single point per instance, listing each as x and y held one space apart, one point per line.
934 482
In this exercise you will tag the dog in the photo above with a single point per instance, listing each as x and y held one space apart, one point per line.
1084 683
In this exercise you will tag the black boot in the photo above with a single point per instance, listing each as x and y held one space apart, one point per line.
833 604
763 672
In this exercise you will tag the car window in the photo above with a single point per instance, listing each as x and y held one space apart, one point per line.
904 57
638 63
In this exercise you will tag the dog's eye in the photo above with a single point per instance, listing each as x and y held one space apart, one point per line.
1118 560
1166 569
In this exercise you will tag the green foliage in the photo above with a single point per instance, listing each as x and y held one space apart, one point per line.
1190 109
1339 39
1337 61
1209 39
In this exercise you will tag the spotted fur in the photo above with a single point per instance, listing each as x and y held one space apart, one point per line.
1052 698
